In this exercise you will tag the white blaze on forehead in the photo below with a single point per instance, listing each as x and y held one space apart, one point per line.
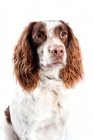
50 26
46 58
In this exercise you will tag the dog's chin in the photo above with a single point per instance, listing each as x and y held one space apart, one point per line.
57 65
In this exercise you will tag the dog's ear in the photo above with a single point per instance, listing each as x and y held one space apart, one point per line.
25 60
73 71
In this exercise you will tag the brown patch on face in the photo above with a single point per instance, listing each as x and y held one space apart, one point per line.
39 34
61 32
7 114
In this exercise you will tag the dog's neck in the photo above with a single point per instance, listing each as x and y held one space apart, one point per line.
50 74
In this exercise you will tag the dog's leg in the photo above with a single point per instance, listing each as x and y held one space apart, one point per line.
7 128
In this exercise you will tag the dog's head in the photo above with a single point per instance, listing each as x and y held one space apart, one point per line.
45 46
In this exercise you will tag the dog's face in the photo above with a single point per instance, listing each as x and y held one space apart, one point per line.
51 39
43 47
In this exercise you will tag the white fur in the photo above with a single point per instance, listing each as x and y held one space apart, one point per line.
43 113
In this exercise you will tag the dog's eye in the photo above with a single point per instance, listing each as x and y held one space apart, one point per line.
63 34
40 35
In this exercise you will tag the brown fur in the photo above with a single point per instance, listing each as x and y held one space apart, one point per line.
7 114
25 59
73 71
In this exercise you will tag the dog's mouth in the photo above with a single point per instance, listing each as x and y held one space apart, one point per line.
52 65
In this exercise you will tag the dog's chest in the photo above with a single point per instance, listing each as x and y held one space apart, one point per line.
45 108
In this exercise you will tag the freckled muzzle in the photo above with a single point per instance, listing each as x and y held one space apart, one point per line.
53 56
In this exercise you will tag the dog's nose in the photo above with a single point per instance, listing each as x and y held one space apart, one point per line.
58 51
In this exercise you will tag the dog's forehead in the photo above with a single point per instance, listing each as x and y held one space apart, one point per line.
50 25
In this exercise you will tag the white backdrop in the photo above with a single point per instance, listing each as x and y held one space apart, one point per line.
14 16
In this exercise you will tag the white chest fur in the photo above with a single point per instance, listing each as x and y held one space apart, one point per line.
44 112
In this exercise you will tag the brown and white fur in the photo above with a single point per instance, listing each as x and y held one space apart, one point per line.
47 63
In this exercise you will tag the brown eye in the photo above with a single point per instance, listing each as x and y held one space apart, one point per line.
39 35
63 34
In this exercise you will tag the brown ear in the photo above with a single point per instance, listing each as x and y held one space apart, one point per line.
26 60
73 71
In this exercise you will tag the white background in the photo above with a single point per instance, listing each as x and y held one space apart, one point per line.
14 16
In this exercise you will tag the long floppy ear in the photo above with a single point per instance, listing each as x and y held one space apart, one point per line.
73 71
26 60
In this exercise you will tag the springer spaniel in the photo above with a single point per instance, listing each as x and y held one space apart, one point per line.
47 62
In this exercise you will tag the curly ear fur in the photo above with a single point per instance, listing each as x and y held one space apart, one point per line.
73 71
25 61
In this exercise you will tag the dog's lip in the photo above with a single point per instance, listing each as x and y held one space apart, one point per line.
57 62
52 64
